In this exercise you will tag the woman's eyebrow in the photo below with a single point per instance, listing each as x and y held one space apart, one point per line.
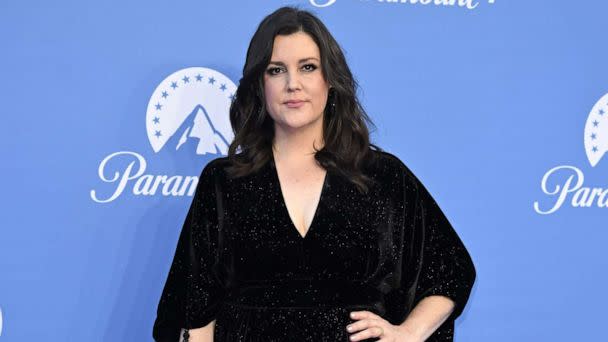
300 61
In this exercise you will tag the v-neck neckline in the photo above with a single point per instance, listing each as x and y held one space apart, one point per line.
292 225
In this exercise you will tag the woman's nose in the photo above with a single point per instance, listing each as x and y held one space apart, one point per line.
293 81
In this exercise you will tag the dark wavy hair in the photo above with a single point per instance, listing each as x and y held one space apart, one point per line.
346 149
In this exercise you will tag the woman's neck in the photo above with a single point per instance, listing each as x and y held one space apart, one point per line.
297 145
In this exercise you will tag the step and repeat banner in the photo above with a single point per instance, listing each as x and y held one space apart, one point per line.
110 110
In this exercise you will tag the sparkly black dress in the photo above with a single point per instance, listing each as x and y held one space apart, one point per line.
241 261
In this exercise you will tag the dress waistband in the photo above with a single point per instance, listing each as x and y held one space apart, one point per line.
308 293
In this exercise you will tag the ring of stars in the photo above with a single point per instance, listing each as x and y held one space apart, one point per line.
596 123
174 85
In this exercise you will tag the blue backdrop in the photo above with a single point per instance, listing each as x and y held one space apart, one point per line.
497 106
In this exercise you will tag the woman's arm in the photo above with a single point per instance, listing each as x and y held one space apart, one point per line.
437 264
204 334
193 292
428 315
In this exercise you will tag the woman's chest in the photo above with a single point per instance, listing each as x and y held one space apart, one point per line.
352 234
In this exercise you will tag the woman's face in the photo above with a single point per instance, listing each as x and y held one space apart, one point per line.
294 74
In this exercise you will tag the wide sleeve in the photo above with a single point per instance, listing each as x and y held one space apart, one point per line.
438 263
193 292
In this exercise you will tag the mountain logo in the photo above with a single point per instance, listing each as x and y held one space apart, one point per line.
187 112
596 131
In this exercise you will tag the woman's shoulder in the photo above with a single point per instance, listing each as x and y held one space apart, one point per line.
387 164
214 166
221 161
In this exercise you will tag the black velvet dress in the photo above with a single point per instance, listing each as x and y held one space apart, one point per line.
241 261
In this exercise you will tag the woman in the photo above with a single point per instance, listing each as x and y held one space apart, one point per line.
309 232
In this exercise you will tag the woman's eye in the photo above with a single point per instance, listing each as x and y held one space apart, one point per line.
313 67
271 71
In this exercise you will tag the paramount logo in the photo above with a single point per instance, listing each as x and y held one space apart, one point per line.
187 116
569 180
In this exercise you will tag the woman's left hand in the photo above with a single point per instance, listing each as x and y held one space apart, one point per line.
370 325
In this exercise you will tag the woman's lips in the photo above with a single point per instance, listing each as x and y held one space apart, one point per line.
296 104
